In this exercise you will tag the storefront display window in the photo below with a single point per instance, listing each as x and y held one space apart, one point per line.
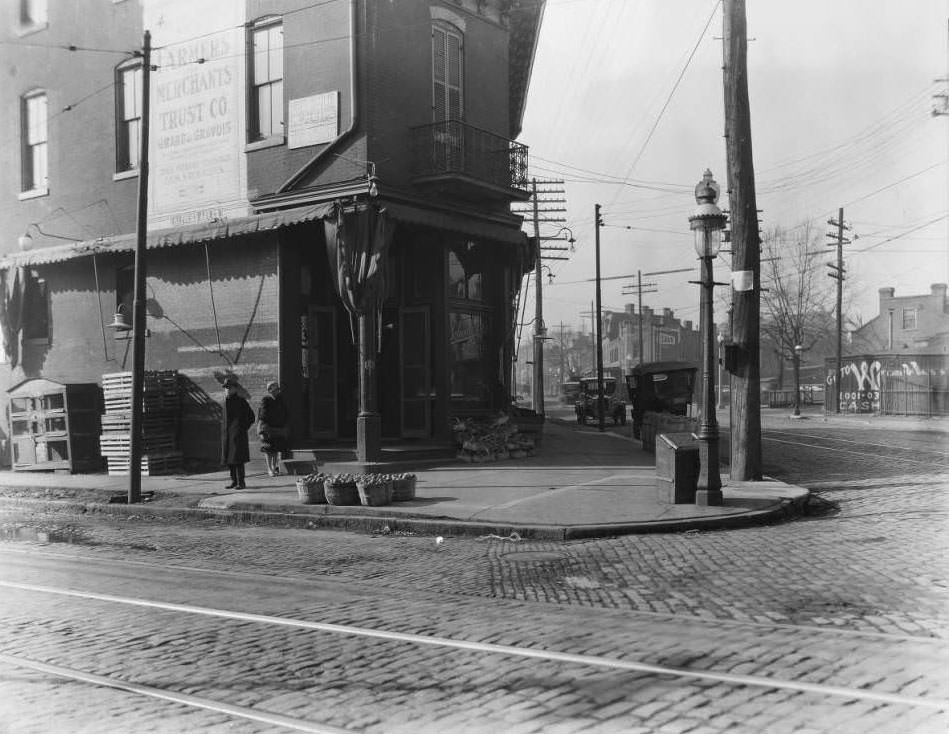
468 340
465 276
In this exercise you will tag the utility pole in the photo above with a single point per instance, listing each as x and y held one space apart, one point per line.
138 305
639 307
593 334
538 386
562 380
746 249
599 319
640 288
539 197
837 273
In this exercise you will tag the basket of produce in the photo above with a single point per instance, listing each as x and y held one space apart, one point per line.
340 489
311 490
374 489
403 487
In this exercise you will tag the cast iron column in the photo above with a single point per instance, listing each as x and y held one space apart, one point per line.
368 422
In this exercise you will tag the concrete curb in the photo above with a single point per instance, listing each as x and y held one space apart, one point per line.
378 520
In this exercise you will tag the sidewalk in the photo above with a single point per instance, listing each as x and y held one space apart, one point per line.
580 484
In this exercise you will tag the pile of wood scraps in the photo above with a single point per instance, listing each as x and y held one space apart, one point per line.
482 440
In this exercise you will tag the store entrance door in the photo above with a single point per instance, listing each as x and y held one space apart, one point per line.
320 367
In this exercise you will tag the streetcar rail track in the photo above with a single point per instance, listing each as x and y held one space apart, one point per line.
875 455
595 661
718 622
850 440
165 694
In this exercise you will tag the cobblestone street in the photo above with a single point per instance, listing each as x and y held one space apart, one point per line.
870 558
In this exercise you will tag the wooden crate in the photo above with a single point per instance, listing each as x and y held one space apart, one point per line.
151 422
118 445
151 403
155 464
153 380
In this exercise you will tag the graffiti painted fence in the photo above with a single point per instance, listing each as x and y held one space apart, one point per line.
890 384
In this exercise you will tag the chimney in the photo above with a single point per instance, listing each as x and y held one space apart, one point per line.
667 315
886 294
687 325
939 290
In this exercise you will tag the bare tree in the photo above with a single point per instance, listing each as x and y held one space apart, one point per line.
797 297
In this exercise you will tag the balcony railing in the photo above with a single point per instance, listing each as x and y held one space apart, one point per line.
452 148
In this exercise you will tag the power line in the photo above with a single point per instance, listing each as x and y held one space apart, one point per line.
897 183
671 93
899 236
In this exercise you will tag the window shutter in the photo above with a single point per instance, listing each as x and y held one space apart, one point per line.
439 75
454 77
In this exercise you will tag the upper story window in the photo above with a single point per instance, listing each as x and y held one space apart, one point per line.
447 72
265 107
465 274
35 307
128 116
909 319
33 131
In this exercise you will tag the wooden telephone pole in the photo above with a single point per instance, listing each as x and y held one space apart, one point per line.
543 209
138 304
837 273
746 249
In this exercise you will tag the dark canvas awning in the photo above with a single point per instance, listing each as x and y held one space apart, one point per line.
463 224
191 234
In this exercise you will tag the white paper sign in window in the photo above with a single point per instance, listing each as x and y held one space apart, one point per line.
313 120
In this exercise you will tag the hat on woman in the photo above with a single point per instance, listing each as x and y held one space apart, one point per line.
272 385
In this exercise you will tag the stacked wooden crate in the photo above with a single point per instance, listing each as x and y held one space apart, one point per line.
160 417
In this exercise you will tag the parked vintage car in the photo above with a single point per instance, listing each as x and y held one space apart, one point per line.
614 406
662 387
569 391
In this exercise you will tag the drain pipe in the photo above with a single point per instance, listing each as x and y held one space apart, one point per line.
295 178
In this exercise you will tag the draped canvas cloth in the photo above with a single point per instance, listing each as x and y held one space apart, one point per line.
357 244
11 314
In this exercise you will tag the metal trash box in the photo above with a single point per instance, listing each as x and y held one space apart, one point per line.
677 467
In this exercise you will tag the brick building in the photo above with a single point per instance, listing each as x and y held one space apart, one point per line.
906 324
664 338
321 175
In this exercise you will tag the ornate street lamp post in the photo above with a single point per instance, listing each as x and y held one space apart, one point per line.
707 223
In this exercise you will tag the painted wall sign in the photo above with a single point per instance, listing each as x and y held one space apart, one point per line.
313 120
890 384
198 171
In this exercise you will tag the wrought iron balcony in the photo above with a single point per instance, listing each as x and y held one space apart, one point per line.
455 155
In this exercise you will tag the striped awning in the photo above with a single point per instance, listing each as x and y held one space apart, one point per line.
191 234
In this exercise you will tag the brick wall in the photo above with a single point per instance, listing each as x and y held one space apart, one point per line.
243 343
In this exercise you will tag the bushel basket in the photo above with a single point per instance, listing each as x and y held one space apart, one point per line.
341 493
311 490
403 489
374 494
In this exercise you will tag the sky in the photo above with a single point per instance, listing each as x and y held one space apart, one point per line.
626 107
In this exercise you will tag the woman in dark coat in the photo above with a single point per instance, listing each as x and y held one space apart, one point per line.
238 418
272 420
